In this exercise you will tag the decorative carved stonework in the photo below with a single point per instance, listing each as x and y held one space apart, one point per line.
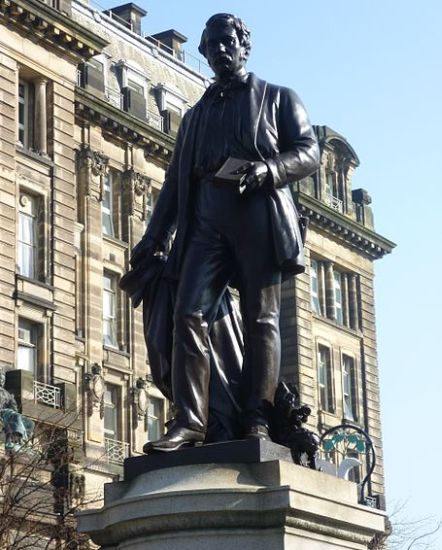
99 165
141 184
140 398
93 168
77 487
137 186
95 387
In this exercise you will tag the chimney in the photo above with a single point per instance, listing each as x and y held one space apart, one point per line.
173 40
130 14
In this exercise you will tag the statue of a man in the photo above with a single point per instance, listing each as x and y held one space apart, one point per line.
249 237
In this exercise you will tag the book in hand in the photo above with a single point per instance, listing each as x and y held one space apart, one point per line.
227 174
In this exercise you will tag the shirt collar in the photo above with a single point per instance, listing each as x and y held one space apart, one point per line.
218 89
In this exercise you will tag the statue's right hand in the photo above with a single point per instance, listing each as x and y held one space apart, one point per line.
142 251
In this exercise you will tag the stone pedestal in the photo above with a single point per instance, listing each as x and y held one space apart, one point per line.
261 502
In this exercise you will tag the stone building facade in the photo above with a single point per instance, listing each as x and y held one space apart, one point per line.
89 109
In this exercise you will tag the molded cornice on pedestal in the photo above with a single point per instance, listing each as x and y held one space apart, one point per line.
51 27
235 505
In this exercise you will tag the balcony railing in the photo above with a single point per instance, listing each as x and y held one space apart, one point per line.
47 394
115 97
334 203
116 451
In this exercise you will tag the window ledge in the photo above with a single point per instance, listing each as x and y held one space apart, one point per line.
34 292
35 282
115 240
34 155
327 420
354 332
119 351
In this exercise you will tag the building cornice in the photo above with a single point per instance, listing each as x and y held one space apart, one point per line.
123 126
352 233
51 27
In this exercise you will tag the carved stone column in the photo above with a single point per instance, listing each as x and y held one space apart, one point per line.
41 119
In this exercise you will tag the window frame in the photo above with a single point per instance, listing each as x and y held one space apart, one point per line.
325 389
351 376
159 418
115 406
338 291
107 210
112 318
32 271
23 125
315 300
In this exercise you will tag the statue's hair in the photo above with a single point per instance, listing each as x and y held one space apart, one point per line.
227 19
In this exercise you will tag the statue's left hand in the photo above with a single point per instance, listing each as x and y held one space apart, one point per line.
256 175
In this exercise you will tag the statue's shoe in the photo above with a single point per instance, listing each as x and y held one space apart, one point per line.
175 439
257 431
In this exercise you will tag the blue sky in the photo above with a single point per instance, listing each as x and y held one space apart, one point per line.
371 69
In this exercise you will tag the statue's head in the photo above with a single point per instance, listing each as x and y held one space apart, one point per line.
225 43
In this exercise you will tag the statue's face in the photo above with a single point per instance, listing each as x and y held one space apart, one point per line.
224 52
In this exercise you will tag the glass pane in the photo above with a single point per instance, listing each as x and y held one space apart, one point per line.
108 304
26 358
26 260
26 229
111 412
338 297
107 207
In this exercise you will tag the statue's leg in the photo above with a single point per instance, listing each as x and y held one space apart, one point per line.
203 280
260 294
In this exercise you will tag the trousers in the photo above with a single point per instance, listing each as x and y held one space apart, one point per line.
230 237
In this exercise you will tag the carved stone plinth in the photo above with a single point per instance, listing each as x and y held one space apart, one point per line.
269 503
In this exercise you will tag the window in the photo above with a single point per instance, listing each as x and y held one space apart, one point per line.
334 188
314 286
112 416
27 356
134 99
109 310
24 118
334 293
27 249
91 75
32 111
339 318
111 205
154 418
349 387
107 207
325 379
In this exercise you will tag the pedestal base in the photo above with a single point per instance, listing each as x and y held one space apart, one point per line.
246 506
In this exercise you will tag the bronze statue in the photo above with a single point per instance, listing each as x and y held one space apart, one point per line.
17 428
234 226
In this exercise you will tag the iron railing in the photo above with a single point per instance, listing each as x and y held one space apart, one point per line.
47 394
116 451
334 203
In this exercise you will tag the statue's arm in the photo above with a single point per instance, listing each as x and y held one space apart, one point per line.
163 221
298 146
